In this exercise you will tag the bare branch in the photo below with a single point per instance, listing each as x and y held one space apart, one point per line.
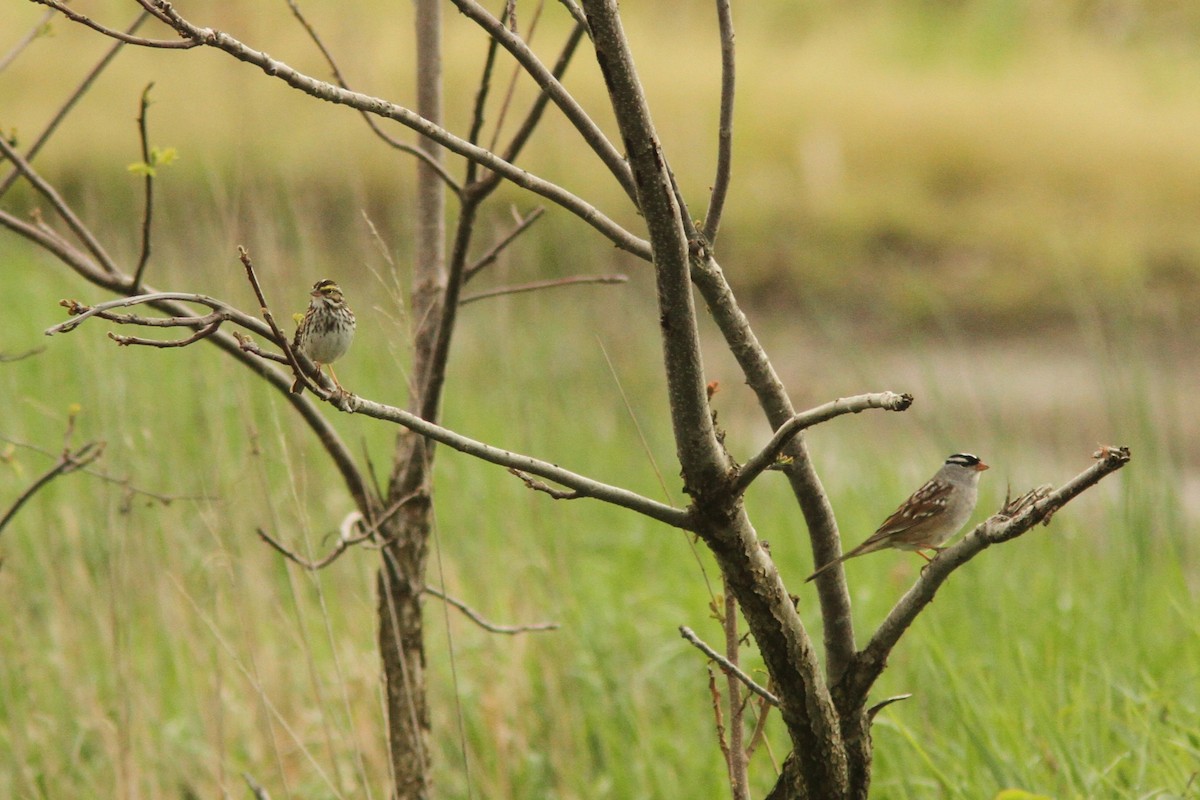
73 98
6 359
383 135
882 704
60 205
574 112
764 459
69 461
495 250
39 28
299 369
737 733
323 90
539 486
724 663
202 333
113 33
575 11
482 622
344 543
80 313
719 719
148 190
587 487
720 188
999 528
806 484
535 286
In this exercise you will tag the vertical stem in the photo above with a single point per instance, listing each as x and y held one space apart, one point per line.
737 747
402 572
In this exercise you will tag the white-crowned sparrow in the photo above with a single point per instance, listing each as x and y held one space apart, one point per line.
927 519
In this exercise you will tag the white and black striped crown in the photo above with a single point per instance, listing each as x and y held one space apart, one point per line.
964 460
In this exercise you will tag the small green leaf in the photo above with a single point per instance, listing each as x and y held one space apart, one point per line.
1020 794
162 156
141 168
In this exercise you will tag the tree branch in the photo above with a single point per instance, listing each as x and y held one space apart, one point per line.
550 85
998 528
383 135
113 33
586 487
482 622
148 190
806 484
728 667
68 462
69 104
332 93
720 188
534 286
496 249
764 459
60 206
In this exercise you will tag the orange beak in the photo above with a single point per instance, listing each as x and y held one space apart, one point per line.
980 467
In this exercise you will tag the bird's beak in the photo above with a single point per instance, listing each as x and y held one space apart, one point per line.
980 467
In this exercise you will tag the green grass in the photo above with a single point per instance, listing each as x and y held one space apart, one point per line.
164 650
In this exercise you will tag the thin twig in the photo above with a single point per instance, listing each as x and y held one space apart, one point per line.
482 622
719 719
539 486
124 483
689 634
255 788
324 90
496 249
383 135
882 704
760 728
202 333
534 286
720 188
575 11
60 206
299 369
346 537
70 102
120 36
68 462
80 313
39 29
765 458
7 359
148 190
737 752
510 12
589 130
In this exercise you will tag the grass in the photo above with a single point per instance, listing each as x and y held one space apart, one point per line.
961 181
161 651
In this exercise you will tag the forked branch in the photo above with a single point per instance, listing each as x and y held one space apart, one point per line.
765 458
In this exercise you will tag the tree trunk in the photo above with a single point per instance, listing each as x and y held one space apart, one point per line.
401 581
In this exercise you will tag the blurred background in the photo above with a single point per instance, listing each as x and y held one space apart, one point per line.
991 204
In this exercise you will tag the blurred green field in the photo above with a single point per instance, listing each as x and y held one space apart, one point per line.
987 204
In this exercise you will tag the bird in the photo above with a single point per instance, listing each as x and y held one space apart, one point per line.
930 516
326 330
